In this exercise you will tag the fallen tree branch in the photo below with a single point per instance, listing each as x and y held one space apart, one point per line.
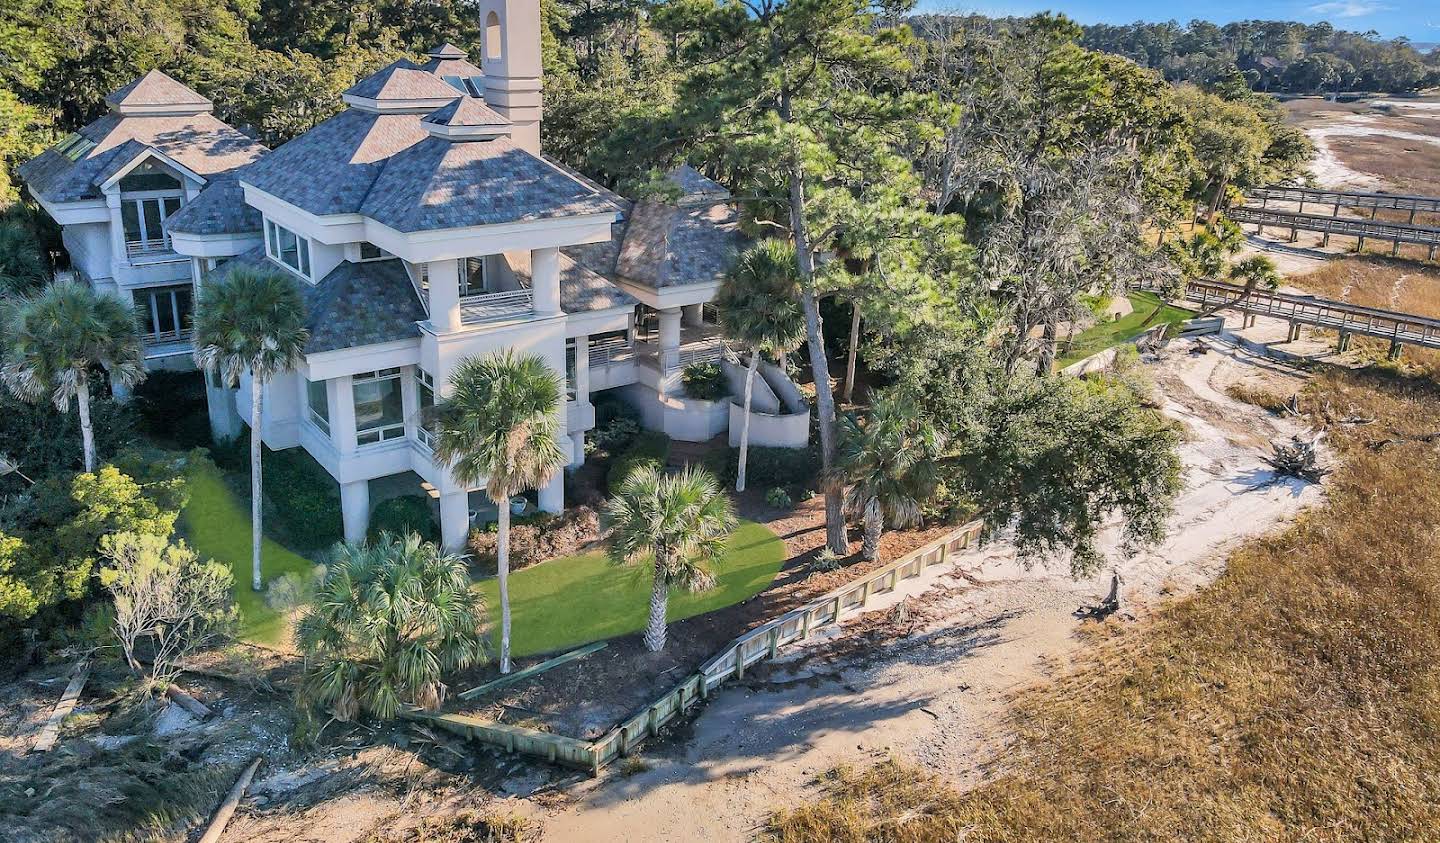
187 702
51 732
227 808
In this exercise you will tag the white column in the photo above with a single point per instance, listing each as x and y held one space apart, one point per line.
669 333
355 509
117 231
545 280
552 494
582 369
694 314
342 413
577 449
454 521
444 295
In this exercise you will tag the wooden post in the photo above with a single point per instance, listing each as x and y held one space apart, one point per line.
805 626
865 594
1395 350
1344 344
1395 249
774 642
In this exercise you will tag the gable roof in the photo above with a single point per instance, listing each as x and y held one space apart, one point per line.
155 89
71 170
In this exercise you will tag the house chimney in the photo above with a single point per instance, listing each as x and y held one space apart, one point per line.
511 60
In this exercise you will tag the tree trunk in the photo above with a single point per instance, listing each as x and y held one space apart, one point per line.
655 627
874 525
745 422
502 575
819 365
853 352
257 389
1212 310
1046 364
1215 201
87 430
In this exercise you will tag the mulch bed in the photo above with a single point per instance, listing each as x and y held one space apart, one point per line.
586 698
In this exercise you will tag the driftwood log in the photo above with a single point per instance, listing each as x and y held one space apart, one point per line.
227 808
51 732
187 702
1105 608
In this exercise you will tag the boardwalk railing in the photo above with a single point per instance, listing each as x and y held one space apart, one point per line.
760 644
1399 328
1338 199
1395 232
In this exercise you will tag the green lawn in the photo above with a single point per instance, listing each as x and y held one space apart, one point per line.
217 524
567 602
1107 334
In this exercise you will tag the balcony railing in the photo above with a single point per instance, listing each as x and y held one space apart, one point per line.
492 307
166 337
702 351
148 248
611 351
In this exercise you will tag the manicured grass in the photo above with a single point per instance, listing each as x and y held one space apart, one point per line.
217 524
1107 334
575 600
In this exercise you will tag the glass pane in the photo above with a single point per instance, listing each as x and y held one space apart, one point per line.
184 306
172 204
304 257
148 176
472 279
377 404
151 207
271 228
289 249
165 311
130 216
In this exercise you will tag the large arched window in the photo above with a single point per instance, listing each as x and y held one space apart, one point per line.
493 46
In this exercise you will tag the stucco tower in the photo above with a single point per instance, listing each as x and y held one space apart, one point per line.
511 61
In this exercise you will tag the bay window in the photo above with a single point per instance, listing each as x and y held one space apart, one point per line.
287 247
164 313
379 407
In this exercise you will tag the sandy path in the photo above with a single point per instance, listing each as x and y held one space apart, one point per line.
938 695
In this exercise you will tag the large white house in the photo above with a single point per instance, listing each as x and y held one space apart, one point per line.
423 226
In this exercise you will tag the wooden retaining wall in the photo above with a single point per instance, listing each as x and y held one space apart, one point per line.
760 644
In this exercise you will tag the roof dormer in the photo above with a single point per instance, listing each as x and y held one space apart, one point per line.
157 95
400 88
467 119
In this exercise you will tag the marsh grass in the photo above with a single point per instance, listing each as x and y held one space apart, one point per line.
1297 698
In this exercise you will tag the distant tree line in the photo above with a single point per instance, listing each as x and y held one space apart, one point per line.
1278 56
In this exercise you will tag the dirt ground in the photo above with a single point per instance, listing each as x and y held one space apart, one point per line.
1378 144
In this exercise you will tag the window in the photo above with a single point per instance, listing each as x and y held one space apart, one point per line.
163 313
148 176
143 220
492 37
379 410
472 277
371 252
425 392
570 383
287 247
317 400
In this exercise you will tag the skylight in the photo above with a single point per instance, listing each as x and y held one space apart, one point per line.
74 146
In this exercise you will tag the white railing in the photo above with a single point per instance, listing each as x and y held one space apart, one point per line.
166 337
702 351
493 306
147 248
611 351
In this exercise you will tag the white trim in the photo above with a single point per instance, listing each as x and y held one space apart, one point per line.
343 362
418 105
151 152
666 298
82 212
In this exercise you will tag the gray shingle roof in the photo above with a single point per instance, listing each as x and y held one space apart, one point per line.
466 111
447 51
199 141
330 169
155 88
219 209
669 246
356 304
459 67
696 188
438 184
401 80
582 289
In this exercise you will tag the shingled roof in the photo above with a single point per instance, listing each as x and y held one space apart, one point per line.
401 80
669 246
156 89
70 171
356 304
219 209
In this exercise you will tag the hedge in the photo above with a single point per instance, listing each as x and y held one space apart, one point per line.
402 515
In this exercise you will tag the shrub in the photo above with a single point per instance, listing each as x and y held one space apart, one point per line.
613 437
306 500
705 381
826 561
536 538
609 407
405 514
171 406
293 589
779 498
649 447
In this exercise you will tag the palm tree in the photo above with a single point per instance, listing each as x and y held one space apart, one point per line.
759 310
891 464
1253 272
388 620
500 427
678 522
252 321
54 337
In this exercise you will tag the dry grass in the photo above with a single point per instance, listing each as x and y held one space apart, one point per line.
466 827
1407 166
1261 395
1384 283
1298 698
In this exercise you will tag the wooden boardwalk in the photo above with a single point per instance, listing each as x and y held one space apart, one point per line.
1361 229
1338 199
1400 329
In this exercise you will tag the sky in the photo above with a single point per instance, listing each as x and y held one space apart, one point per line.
1418 20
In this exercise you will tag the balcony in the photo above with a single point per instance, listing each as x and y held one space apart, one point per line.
496 307
167 344
150 251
